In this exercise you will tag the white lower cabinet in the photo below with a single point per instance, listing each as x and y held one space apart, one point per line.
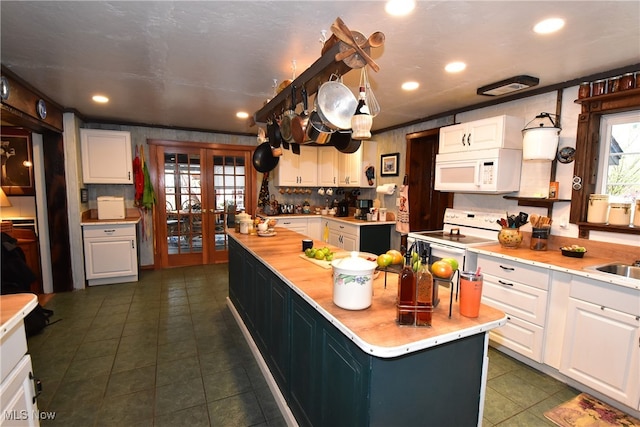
602 339
344 236
299 225
18 396
110 253
520 290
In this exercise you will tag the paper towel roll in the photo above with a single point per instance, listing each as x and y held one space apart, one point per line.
387 189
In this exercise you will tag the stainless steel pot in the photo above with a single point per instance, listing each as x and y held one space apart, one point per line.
316 130
336 104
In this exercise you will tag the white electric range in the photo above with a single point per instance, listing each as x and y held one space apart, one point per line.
462 229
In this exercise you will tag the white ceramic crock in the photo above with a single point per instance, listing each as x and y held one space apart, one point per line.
353 282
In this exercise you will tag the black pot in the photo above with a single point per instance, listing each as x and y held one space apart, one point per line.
344 143
263 159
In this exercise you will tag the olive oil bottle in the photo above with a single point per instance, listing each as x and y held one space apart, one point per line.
406 293
424 293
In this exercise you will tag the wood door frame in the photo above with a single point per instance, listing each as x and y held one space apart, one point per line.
421 183
156 159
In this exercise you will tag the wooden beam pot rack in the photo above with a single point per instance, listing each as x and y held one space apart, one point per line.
314 76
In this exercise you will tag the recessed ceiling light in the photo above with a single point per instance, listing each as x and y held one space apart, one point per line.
410 85
101 99
242 115
455 67
399 7
550 25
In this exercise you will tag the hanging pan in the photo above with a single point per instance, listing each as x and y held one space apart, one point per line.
263 159
287 118
336 104
299 123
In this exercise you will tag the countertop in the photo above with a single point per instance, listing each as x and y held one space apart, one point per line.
13 308
374 330
554 260
90 217
346 219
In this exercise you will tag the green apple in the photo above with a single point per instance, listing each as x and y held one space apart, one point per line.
452 262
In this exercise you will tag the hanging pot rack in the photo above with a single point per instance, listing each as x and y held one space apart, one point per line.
311 79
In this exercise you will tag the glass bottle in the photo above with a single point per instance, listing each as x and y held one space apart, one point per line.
361 121
406 293
424 293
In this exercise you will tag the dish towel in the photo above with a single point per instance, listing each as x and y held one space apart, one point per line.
402 223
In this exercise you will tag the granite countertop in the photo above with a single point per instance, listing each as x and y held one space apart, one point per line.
554 260
374 329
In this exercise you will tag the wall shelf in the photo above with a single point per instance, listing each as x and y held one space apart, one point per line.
537 202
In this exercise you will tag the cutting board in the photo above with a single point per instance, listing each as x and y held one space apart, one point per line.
320 262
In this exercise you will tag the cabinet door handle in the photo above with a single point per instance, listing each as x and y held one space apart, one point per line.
109 231
505 283
507 268
463 135
37 386
469 140
133 244
129 175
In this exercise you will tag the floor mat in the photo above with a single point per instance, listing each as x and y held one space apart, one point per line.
587 411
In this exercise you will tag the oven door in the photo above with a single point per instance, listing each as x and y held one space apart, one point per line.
439 251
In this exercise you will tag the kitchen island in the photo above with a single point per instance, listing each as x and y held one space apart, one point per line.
331 366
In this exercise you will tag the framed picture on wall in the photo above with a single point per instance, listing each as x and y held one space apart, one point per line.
389 164
17 162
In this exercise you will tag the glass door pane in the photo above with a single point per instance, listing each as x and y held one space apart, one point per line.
229 190
183 208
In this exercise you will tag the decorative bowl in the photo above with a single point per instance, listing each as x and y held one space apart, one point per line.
573 254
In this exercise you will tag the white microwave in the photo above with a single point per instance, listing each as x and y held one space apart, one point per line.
479 171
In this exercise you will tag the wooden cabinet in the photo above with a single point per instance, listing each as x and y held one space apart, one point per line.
298 170
494 132
110 253
602 336
520 290
106 156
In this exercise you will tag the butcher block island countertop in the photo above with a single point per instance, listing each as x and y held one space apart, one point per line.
374 329
330 366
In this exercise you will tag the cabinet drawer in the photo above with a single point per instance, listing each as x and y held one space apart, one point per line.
515 271
520 336
604 294
341 227
115 230
525 302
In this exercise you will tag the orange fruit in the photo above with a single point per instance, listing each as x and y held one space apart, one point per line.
441 269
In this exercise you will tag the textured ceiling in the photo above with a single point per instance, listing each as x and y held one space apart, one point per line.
194 64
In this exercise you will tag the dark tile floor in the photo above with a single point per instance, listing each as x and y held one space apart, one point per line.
166 351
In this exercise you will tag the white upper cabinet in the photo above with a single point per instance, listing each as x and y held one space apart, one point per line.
350 169
494 132
106 157
298 170
328 166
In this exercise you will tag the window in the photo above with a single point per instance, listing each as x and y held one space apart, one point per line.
619 160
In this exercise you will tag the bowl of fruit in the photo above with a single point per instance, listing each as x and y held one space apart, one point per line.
573 251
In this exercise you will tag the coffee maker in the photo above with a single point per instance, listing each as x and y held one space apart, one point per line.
363 207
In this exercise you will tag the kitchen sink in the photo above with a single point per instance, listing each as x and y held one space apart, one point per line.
625 270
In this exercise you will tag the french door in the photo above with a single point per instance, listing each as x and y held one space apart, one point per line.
199 189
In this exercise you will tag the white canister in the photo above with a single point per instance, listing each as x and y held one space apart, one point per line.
353 282
245 226
598 211
620 214
636 214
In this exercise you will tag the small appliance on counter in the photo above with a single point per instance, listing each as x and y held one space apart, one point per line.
110 207
342 208
363 207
